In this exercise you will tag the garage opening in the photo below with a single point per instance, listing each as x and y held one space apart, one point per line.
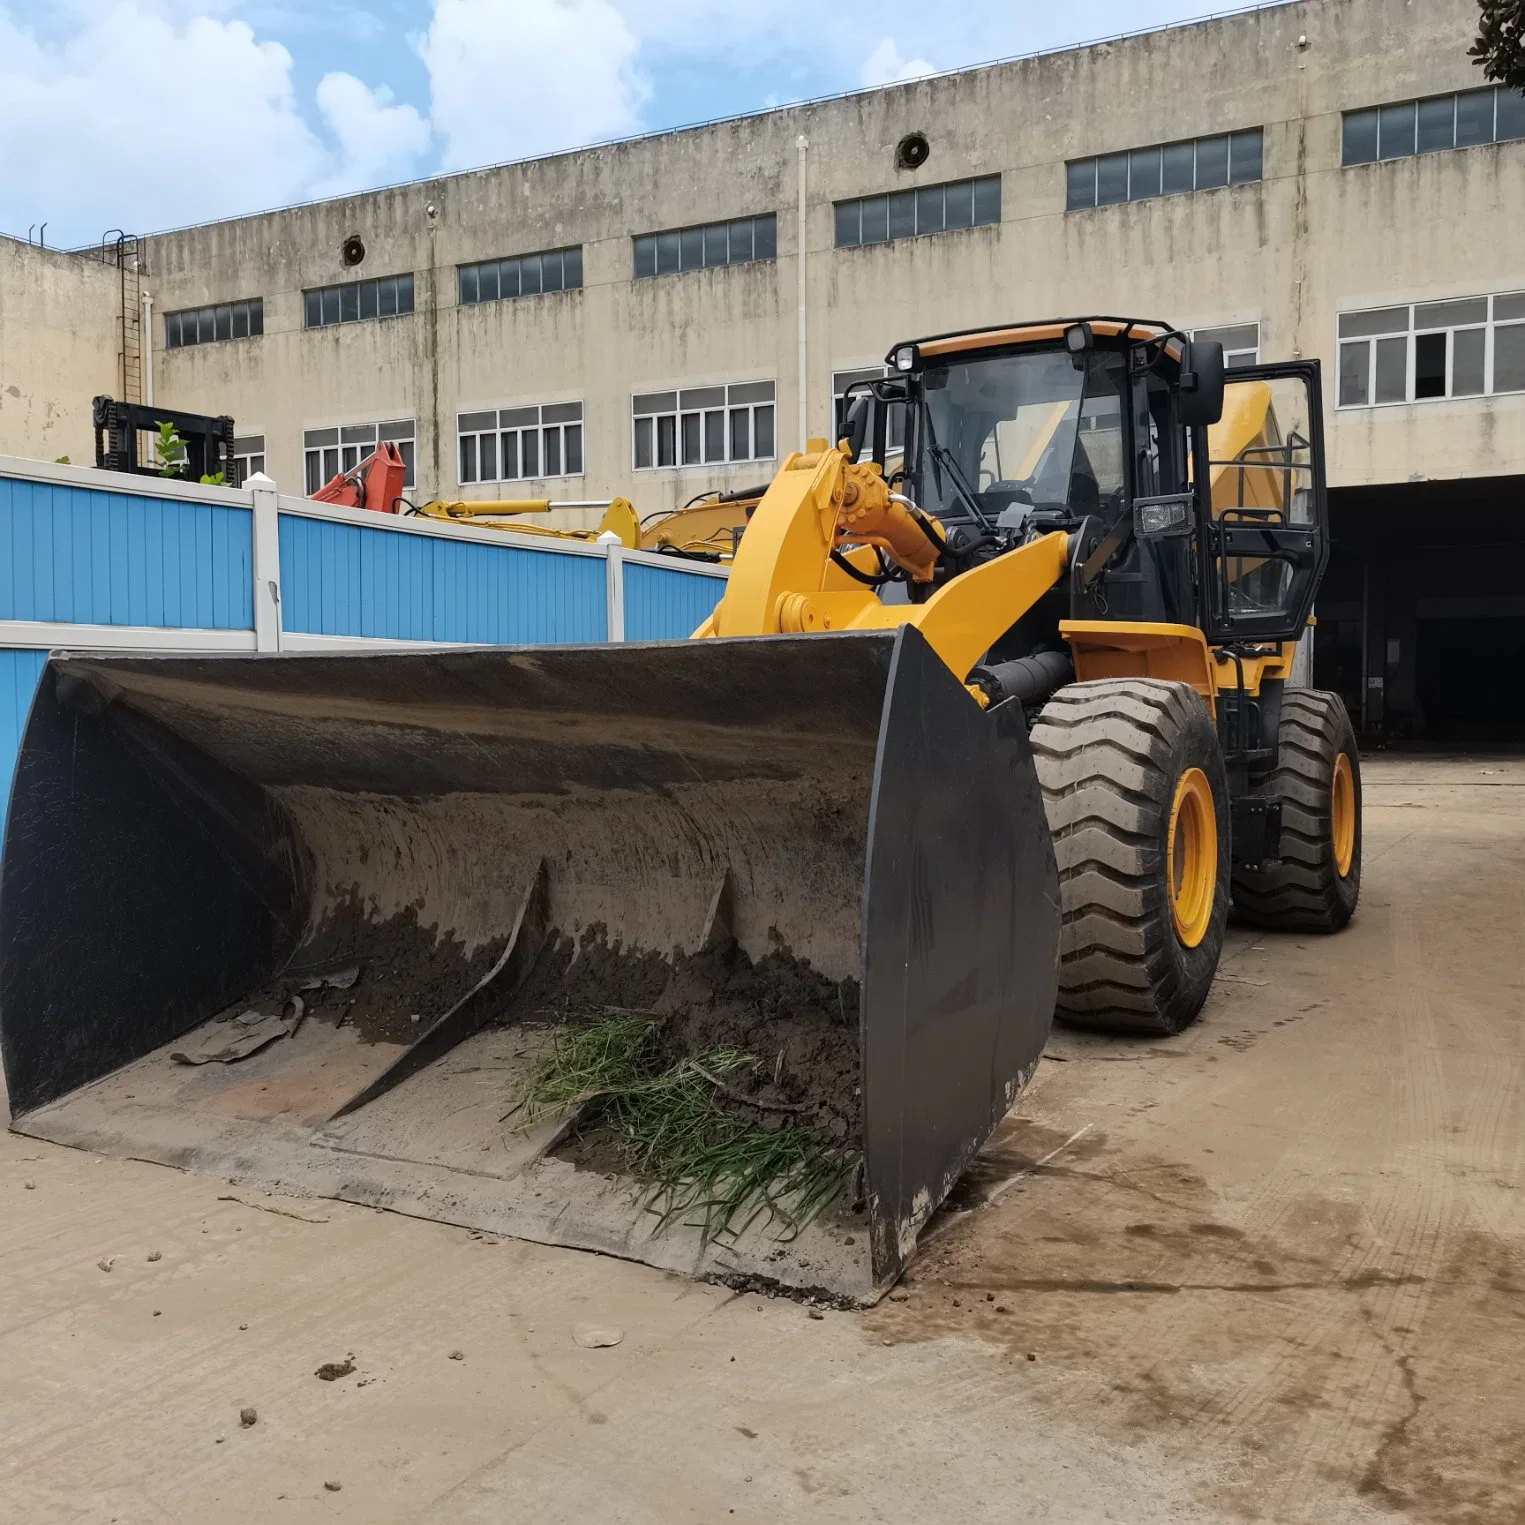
1469 678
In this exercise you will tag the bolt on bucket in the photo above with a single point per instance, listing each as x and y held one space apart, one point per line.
723 955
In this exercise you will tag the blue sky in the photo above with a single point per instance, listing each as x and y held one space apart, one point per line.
229 106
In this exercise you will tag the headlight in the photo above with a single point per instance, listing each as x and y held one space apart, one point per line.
1162 516
905 358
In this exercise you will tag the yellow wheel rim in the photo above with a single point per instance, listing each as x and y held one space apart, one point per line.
1191 855
1342 814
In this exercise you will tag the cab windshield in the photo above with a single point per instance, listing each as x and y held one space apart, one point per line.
1024 430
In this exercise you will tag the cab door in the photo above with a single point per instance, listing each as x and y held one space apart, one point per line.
1267 539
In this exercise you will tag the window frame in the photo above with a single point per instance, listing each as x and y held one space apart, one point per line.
358 301
1247 355
1413 330
342 454
243 461
851 210
250 309
1156 155
470 273
694 412
1373 117
563 430
665 247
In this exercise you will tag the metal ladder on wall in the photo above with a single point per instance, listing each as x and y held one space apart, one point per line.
121 249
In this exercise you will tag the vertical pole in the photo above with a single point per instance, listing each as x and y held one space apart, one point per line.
148 348
614 584
1365 638
267 563
802 143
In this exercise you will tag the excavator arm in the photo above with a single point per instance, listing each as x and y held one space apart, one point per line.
376 483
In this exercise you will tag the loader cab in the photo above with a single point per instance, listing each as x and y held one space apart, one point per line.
1194 500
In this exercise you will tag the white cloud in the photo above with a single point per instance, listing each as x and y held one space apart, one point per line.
378 141
141 116
886 66
512 78
150 113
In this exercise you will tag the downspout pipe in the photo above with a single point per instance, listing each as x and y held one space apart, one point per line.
802 144
148 348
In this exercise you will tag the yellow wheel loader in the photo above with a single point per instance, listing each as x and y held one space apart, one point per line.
724 954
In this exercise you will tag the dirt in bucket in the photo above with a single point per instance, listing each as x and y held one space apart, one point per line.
389 980
717 1081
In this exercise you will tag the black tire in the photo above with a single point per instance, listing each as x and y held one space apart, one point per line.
1111 756
1304 888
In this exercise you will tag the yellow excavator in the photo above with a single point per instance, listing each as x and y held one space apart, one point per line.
707 528
996 727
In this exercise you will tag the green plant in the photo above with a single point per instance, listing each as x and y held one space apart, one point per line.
62 460
214 481
169 449
703 1149
1500 47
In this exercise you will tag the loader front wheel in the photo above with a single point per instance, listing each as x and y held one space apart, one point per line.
1314 881
1137 801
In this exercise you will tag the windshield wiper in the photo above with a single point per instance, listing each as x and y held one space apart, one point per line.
944 457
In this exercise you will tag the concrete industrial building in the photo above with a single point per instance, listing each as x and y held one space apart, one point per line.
665 315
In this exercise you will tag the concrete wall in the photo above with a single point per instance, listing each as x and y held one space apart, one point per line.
59 347
1309 240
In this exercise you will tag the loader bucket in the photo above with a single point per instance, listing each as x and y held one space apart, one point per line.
311 921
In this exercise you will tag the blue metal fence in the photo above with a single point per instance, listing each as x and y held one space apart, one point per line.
131 563
667 603
72 555
387 584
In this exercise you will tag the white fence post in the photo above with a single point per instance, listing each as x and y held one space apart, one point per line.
614 567
267 563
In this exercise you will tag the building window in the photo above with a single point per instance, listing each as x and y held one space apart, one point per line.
327 452
704 426
355 301
738 242
840 382
1166 169
927 209
522 275
205 325
1240 341
512 444
248 457
1466 120
1471 347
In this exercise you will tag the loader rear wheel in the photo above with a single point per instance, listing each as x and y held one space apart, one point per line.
1137 800
1314 881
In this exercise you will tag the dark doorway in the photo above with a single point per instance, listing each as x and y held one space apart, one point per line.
1469 678
1421 618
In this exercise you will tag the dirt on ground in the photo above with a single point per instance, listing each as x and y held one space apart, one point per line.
1271 1270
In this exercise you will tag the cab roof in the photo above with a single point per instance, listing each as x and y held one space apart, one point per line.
1044 331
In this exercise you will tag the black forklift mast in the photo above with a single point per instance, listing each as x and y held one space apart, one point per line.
208 441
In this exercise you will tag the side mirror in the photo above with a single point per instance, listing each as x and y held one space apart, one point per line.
860 412
1202 384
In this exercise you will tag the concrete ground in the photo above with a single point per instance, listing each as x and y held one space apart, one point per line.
1273 1270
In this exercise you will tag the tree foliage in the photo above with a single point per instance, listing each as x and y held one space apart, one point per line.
1500 47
